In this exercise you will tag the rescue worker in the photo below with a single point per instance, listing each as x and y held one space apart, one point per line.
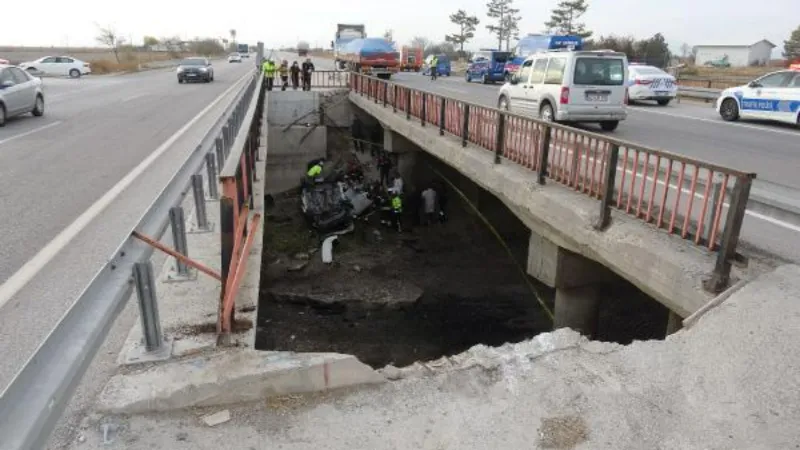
429 204
314 174
269 73
397 211
283 70
384 166
294 71
434 67
307 69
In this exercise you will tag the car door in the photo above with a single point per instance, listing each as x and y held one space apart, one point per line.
535 87
65 64
759 99
517 91
553 79
47 65
778 99
27 88
11 92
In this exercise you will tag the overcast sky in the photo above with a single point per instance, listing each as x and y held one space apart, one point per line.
282 23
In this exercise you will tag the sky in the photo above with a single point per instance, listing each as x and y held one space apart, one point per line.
279 24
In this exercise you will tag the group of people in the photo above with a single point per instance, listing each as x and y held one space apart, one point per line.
285 71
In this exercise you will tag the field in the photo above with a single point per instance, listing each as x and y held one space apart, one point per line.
102 59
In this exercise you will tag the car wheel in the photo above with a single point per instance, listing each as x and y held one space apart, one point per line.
180 80
38 109
467 77
609 125
2 115
74 73
729 110
504 104
485 78
546 113
664 102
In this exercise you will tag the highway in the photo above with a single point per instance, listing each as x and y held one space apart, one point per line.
76 180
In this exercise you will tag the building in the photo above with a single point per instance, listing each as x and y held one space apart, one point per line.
759 53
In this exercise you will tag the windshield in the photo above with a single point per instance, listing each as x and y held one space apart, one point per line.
501 57
649 71
193 62
599 71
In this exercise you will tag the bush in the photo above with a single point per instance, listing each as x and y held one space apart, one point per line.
102 66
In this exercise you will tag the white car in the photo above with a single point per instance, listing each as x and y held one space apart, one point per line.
775 96
58 66
234 57
570 86
651 83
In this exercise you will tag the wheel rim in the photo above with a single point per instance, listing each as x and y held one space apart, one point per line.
547 114
39 104
74 73
728 109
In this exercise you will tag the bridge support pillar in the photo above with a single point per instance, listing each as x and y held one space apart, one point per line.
674 323
578 308
405 153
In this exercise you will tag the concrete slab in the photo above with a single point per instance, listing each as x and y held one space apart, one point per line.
294 108
289 152
229 377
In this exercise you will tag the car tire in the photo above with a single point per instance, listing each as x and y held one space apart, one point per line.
38 108
180 80
467 78
729 110
546 113
503 104
485 78
609 125
664 102
74 73
2 115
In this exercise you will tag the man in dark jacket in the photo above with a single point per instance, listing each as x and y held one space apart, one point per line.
308 68
295 73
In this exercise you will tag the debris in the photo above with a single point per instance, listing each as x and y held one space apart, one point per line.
108 433
217 418
81 438
392 373
301 256
297 267
327 249
357 268
182 436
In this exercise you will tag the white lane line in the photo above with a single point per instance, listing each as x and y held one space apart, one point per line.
30 132
716 122
132 97
24 275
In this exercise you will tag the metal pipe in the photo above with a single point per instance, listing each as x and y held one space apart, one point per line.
148 305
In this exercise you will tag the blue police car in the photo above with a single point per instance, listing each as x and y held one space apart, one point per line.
487 66
535 43
775 96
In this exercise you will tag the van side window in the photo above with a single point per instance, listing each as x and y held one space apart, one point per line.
539 68
555 71
525 71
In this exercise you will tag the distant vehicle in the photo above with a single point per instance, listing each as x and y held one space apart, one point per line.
302 49
57 66
721 62
195 69
243 50
234 58
488 66
574 86
411 59
651 83
536 43
20 93
345 34
443 67
4 61
775 96
373 56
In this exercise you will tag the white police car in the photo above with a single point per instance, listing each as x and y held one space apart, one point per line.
775 96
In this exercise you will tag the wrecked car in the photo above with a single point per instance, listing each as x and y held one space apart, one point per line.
325 206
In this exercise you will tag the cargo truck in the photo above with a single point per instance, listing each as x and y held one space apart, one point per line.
345 34
302 49
372 56
244 50
411 59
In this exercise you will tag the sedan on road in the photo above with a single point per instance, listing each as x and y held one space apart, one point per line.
775 96
195 69
651 83
20 93
234 58
58 66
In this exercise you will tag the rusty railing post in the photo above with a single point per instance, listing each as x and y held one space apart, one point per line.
500 137
720 278
385 94
610 179
394 98
227 226
465 126
424 111
408 104
544 153
442 115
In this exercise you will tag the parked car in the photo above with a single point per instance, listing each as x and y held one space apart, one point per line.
651 83
4 61
195 69
775 96
58 66
235 58
443 67
572 86
20 93
487 66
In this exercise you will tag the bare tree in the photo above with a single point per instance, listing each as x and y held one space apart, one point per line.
511 25
421 42
506 16
110 38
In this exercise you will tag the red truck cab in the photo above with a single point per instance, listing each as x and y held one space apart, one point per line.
411 59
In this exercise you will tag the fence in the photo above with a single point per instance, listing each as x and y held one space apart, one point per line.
683 196
713 83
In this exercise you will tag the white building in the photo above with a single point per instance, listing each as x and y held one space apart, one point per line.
738 55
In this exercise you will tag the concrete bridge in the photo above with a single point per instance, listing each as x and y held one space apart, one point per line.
596 207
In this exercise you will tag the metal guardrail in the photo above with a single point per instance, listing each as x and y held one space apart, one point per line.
713 82
618 173
699 92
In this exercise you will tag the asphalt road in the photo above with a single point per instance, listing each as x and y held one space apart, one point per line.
95 131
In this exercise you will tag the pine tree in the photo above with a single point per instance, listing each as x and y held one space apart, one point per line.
564 18
466 25
791 48
506 17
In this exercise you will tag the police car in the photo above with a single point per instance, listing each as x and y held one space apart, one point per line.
775 96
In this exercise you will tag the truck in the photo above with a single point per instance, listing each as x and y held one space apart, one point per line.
302 48
410 59
534 43
244 50
373 56
346 33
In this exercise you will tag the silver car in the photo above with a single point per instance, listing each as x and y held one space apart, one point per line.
20 93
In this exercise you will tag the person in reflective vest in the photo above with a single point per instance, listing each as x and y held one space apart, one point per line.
397 211
284 72
269 73
434 67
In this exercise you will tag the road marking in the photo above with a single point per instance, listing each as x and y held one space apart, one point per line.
29 270
457 91
132 97
30 132
717 122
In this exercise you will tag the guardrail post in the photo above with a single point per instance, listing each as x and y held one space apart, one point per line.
424 108
465 126
711 213
442 115
225 143
179 239
500 137
720 278
408 104
377 91
148 305
544 153
385 94
199 203
211 174
394 98
220 150
610 179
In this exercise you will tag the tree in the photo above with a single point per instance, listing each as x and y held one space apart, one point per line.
206 47
466 29
564 18
791 48
686 50
150 41
233 35
110 38
654 51
506 17
511 24
420 42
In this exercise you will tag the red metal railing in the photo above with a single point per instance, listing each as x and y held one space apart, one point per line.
696 200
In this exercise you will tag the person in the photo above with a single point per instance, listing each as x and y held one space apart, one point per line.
397 183
356 130
314 173
429 205
397 212
269 73
384 166
434 67
295 73
284 72
307 69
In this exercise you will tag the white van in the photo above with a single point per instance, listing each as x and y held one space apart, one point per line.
570 86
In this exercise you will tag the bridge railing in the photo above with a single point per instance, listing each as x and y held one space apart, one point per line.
701 202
